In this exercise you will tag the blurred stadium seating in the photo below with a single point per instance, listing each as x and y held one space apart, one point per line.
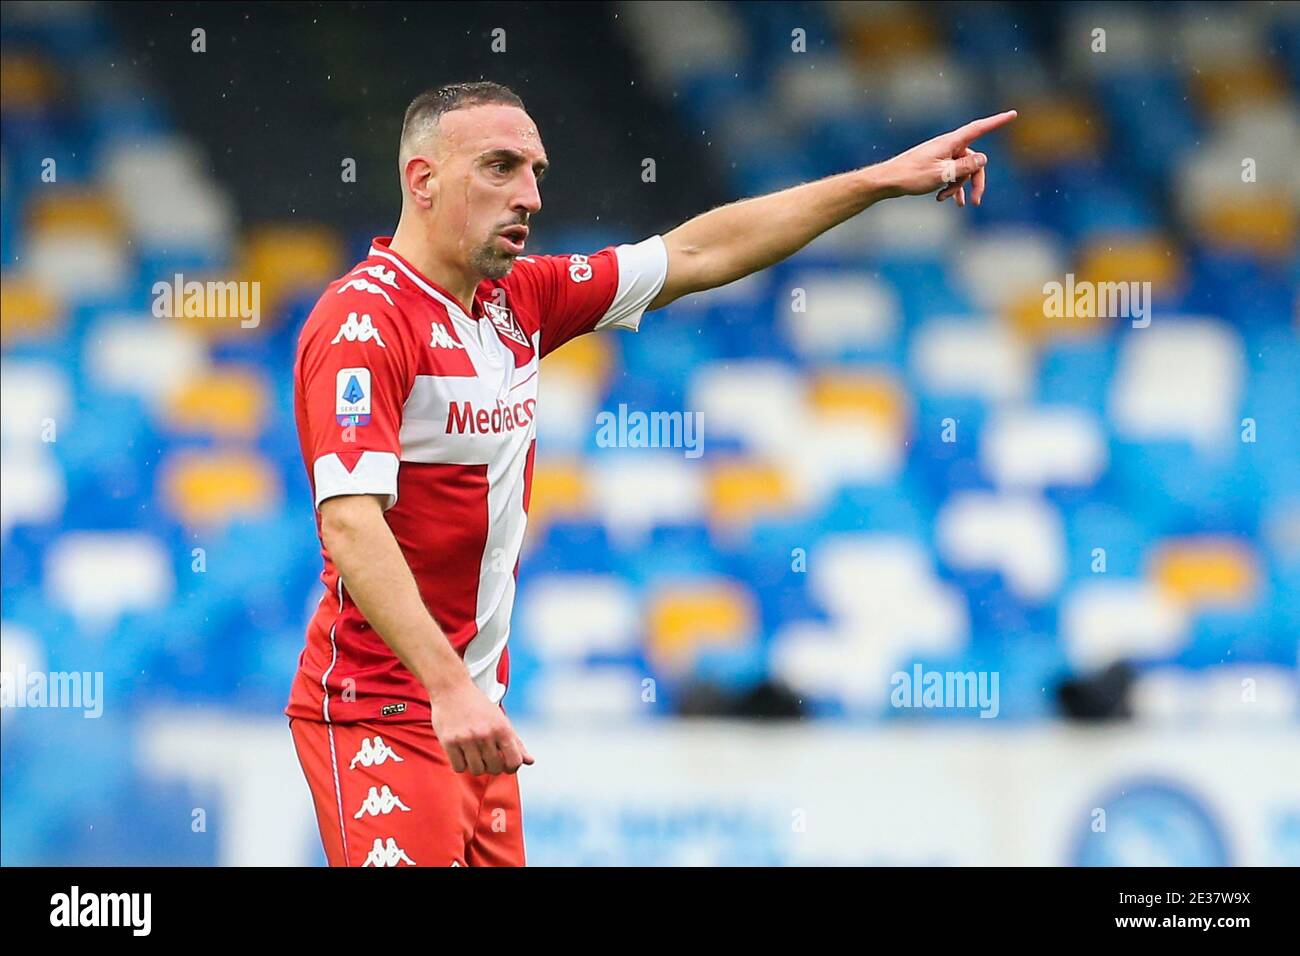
918 467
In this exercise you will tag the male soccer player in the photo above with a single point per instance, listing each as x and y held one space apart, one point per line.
415 392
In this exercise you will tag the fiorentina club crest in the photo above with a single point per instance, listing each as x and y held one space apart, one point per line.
505 322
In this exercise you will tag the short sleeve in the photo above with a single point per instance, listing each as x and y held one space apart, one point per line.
576 294
354 374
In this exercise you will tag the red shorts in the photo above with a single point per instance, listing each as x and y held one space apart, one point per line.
386 795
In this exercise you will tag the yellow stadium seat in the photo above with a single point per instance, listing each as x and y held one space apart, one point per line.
1206 570
872 396
686 618
741 492
82 210
289 259
26 82
213 305
27 311
883 36
1265 225
586 357
559 489
1050 132
1132 258
1222 89
226 402
212 488
1032 321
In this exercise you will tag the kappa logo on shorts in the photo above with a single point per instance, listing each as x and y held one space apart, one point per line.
373 754
387 854
380 801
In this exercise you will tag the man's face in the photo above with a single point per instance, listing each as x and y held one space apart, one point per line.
490 160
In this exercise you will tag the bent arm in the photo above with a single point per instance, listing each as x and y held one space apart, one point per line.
377 576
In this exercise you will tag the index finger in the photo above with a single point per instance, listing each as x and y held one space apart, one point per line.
977 128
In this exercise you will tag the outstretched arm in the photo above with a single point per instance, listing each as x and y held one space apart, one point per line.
735 240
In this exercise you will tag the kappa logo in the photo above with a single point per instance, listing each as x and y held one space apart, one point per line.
386 276
380 801
358 330
505 322
364 286
579 268
373 754
387 854
440 338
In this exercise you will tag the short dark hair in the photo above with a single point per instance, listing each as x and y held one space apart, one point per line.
431 104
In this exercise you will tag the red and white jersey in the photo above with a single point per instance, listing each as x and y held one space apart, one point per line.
398 392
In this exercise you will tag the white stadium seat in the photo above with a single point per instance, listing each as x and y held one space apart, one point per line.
637 489
911 87
677 38
1232 693
143 356
170 201
566 410
1135 37
77 265
761 403
1106 621
841 311
1034 447
977 359
97 577
1008 264
34 489
590 693
808 88
568 616
885 587
1179 380
32 394
1019 536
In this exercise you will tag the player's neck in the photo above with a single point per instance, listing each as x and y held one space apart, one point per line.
413 245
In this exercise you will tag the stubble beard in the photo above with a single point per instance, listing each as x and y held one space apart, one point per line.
490 262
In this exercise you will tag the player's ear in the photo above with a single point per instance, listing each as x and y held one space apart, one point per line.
421 181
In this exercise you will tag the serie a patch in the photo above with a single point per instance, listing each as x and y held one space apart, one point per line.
352 396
